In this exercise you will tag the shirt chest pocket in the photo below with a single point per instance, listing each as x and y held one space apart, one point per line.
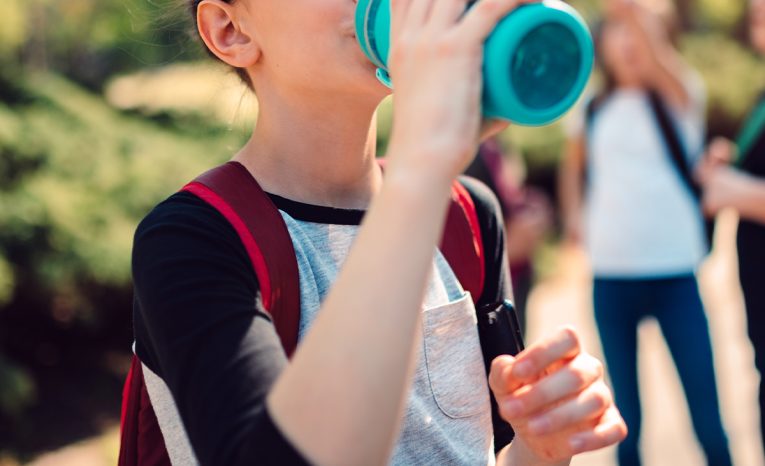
453 359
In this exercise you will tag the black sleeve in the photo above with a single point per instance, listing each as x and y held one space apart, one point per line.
201 327
497 276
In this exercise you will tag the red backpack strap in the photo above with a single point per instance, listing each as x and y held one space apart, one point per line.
141 440
461 243
233 192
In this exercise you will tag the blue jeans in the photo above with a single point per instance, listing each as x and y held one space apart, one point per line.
620 305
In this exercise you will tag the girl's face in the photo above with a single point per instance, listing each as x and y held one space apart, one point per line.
757 24
310 47
620 53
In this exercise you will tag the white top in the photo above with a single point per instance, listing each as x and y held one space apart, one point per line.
641 219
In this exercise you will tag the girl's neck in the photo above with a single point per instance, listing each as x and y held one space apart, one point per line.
318 154
629 82
630 87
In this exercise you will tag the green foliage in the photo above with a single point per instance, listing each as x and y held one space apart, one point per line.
13 26
384 124
89 40
7 281
77 176
733 75
541 147
721 14
17 391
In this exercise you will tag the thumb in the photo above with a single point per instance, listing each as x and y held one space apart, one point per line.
501 380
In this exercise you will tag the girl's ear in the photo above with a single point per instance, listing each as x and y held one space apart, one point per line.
227 33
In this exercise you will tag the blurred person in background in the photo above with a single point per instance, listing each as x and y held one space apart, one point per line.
733 175
527 213
642 223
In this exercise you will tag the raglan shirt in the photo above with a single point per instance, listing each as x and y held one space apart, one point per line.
200 326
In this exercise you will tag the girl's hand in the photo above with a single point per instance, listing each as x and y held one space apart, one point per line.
721 151
554 396
435 63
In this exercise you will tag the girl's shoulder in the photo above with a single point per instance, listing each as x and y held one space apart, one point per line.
184 227
181 214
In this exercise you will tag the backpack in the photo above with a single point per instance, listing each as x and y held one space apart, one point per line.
233 192
674 149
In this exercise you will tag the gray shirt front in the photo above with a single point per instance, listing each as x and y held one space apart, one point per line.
448 415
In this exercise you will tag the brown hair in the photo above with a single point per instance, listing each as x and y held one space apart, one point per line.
669 20
193 6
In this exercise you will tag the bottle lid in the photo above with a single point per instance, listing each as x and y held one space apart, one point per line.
538 61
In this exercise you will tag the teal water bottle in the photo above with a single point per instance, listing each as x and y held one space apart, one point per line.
537 60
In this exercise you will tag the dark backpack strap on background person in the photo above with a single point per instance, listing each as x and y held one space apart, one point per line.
590 112
671 139
592 109
679 158
669 135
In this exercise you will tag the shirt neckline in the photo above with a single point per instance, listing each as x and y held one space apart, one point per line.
317 214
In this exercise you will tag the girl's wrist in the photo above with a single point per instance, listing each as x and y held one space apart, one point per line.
415 188
420 171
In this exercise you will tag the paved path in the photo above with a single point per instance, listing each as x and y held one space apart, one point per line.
668 440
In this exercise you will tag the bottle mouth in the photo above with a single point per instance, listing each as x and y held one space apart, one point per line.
546 66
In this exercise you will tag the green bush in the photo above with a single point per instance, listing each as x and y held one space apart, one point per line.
75 178
733 76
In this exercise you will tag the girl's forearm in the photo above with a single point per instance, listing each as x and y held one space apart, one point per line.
341 399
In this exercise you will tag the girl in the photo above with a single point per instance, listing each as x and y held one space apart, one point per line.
644 228
388 367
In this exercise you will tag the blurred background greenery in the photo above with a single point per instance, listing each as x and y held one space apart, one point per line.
107 107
